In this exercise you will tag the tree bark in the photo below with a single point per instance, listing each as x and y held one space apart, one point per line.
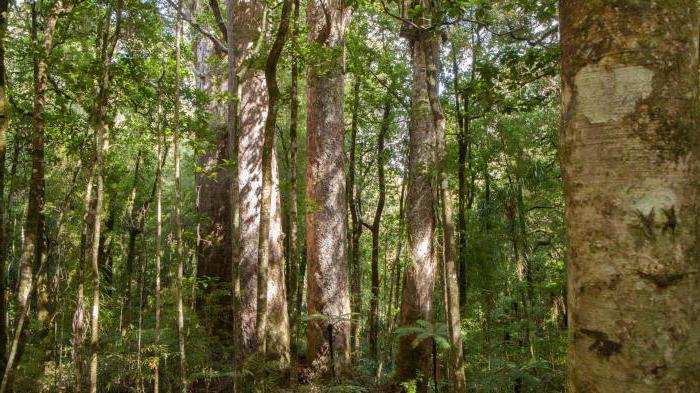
274 294
376 222
355 207
419 278
213 180
328 293
182 363
32 244
157 259
293 203
4 125
454 322
101 129
629 155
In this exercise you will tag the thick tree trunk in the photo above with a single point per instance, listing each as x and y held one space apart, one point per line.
630 152
328 293
419 278
215 248
272 295
376 222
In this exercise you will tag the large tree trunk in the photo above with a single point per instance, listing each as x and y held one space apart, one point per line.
272 290
630 152
376 222
249 24
215 248
419 278
328 293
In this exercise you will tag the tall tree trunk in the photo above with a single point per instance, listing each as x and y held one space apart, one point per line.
419 278
278 345
32 247
233 132
178 215
79 315
456 363
354 204
462 143
629 154
99 119
293 208
158 256
328 293
215 249
4 125
376 222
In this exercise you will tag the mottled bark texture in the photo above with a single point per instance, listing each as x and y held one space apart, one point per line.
630 152
252 114
212 180
419 278
272 296
328 291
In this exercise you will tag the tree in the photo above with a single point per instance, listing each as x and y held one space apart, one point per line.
629 146
4 125
33 240
374 228
279 322
419 279
328 292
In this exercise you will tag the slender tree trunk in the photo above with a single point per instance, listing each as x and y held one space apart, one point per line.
456 363
100 126
79 315
374 301
629 156
158 256
4 125
178 216
100 145
354 204
293 208
328 293
461 231
31 247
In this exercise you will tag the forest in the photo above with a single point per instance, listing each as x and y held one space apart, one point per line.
360 196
